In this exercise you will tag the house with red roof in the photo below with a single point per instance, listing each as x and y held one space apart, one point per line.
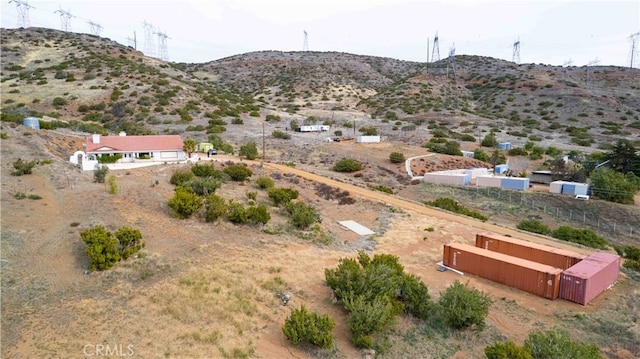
128 151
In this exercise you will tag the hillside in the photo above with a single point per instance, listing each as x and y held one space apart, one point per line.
210 289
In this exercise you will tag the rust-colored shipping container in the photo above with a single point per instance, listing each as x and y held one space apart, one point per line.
593 275
555 257
532 277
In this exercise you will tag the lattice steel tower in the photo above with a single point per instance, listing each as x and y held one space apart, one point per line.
163 52
435 56
95 28
516 52
305 44
23 12
149 39
633 54
65 16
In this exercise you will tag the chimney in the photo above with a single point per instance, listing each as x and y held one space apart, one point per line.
122 134
96 138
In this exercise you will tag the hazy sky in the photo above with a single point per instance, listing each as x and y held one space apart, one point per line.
550 32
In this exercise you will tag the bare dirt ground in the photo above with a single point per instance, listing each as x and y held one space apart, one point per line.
208 289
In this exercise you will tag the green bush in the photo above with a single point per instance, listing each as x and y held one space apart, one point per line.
185 202
281 196
582 236
453 206
301 215
463 306
415 296
556 344
22 167
113 186
347 165
265 182
489 140
205 170
309 327
238 173
179 178
100 174
203 186
215 207
249 150
258 214
480 155
508 350
612 186
129 241
532 225
237 213
59 102
396 157
109 158
101 247
281 135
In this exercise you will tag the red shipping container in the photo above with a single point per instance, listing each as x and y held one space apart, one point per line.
555 257
532 277
593 275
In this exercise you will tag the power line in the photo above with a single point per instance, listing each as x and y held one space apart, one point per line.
23 12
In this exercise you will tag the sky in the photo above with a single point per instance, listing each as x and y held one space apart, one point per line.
561 32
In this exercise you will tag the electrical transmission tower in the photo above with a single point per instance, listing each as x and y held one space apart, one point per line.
435 56
516 52
451 62
592 62
133 42
633 55
565 66
95 28
149 39
23 12
163 53
305 44
65 16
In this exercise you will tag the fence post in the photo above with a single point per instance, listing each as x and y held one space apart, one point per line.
557 211
584 217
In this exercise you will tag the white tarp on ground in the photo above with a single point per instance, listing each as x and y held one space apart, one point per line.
357 228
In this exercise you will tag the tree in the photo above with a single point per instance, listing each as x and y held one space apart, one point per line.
463 306
556 344
249 150
238 173
497 158
303 326
489 140
185 202
129 241
396 157
215 207
624 158
101 247
612 186
189 146
480 155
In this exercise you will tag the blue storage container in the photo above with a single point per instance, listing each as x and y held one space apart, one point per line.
517 183
500 169
568 188
32 122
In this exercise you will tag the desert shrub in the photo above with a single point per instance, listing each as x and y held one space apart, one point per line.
347 165
556 344
582 236
281 134
59 102
109 158
252 195
628 252
265 182
23 167
129 241
179 178
113 186
185 202
203 186
463 306
303 326
205 170
489 140
301 215
507 350
385 189
415 296
101 247
453 206
446 147
480 155
214 207
281 196
100 174
532 225
249 150
396 157
517 151
238 173
237 213
258 214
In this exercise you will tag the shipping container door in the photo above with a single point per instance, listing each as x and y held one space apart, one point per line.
568 188
573 288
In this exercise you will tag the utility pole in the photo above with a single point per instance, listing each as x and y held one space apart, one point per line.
263 158
305 44
634 48
133 42
23 12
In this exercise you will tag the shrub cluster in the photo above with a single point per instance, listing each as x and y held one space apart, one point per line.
23 167
105 248
347 165
582 236
238 173
281 196
532 225
303 326
396 157
632 256
453 206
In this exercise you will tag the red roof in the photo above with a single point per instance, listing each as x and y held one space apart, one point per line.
117 144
